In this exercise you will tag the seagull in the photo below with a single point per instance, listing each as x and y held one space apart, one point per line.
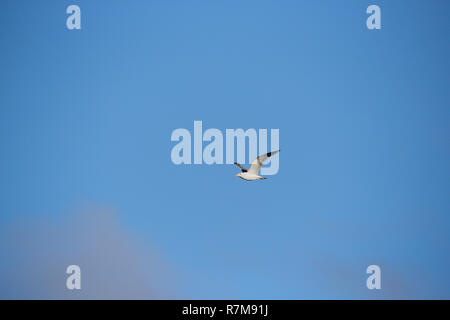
252 173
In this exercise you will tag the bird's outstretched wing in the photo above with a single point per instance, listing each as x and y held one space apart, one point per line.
240 167
258 162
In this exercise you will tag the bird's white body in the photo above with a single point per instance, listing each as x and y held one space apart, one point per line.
252 173
249 177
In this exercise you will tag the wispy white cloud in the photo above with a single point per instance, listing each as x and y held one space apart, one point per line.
114 265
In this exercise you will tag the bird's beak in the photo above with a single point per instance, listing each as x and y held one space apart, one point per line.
236 175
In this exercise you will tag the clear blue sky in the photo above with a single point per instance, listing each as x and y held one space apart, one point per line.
364 116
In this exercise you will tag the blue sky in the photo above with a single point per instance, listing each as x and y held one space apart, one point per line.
86 117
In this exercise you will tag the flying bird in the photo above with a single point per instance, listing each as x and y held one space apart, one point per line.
252 173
